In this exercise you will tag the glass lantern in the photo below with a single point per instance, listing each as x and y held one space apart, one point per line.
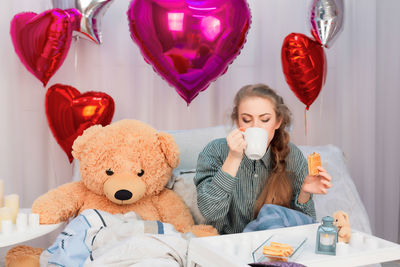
327 236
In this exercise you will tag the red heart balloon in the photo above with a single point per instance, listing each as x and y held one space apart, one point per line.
303 64
69 113
189 43
42 41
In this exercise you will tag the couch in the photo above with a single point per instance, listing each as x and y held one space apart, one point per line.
342 196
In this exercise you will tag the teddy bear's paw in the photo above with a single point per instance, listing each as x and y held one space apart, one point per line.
48 219
23 256
202 230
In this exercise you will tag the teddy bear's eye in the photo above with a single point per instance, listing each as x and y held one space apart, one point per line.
140 174
109 172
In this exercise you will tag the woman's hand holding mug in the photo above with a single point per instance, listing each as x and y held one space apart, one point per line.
236 143
253 142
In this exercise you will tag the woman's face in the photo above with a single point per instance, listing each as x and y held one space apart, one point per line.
258 112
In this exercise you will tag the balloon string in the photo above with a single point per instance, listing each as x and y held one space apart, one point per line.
76 56
305 121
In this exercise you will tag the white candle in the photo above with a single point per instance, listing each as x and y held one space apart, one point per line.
327 239
5 214
371 242
342 248
12 201
1 192
33 220
22 221
6 226
356 240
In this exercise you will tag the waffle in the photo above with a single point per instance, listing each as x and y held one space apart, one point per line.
275 249
314 161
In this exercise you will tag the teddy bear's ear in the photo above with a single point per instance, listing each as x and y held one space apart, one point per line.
169 148
345 216
81 141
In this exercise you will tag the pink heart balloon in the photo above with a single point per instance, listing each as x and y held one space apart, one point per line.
189 43
42 41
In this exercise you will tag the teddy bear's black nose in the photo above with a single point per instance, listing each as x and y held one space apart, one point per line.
123 194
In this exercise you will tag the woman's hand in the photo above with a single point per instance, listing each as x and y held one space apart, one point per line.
317 184
236 144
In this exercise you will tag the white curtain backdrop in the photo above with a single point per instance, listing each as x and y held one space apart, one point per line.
357 109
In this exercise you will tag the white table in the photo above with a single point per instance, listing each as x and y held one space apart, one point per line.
30 233
236 249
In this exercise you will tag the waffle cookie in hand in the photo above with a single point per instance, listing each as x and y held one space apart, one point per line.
314 161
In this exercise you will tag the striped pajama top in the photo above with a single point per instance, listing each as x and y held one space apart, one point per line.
227 202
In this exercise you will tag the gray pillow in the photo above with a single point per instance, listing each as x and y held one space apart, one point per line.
192 142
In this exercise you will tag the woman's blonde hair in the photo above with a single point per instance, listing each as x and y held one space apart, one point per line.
278 187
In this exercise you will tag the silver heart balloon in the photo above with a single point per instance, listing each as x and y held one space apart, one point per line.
91 12
326 20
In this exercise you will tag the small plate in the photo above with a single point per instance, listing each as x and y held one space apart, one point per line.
296 242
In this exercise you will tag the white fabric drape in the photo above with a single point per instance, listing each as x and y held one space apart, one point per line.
357 109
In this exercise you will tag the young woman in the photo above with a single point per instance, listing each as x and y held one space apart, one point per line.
232 188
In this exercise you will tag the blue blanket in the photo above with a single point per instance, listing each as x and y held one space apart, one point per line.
274 216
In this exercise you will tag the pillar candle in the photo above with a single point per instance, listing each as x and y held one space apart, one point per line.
22 222
5 214
12 201
6 226
1 192
33 220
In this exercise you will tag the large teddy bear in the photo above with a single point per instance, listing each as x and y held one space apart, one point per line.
124 167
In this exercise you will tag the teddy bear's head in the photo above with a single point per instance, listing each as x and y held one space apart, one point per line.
340 219
126 160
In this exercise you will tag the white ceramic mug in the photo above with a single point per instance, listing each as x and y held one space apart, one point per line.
257 141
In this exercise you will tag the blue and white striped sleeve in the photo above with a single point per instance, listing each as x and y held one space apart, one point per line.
214 186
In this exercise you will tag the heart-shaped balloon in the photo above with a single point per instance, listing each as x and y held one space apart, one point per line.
69 113
42 41
303 64
189 43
